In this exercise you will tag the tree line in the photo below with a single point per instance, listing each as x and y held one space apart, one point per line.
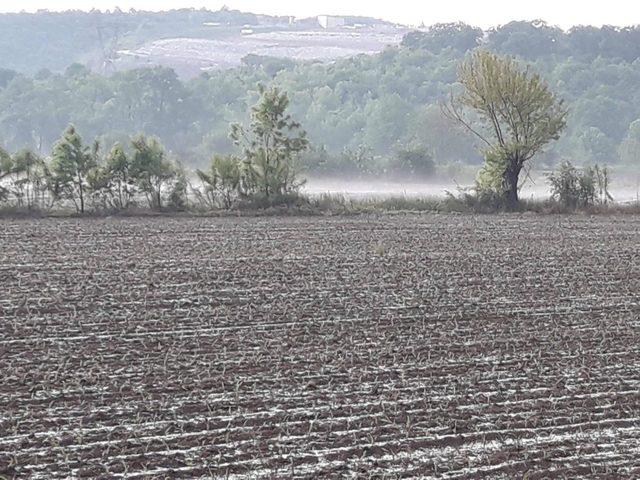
80 174
511 110
368 115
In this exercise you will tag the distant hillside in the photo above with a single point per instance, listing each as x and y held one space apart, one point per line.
186 40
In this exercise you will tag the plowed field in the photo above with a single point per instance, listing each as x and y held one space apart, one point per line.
435 346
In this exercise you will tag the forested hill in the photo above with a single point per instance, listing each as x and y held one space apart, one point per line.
366 111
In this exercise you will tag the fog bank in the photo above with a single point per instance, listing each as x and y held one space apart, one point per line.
625 188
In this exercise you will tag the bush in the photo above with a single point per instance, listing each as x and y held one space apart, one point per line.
178 193
153 172
221 183
416 161
272 145
474 199
576 188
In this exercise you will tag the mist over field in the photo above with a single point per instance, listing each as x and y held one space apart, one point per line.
625 187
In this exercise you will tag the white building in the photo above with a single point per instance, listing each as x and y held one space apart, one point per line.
328 21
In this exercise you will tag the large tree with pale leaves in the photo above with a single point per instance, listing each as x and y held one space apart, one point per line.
512 111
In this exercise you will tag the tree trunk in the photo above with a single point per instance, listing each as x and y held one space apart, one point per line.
510 185
81 190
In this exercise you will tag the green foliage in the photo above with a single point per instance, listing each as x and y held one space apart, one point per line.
517 115
382 102
71 165
596 145
270 65
527 39
113 184
221 183
490 176
575 188
271 147
447 144
6 168
153 172
77 174
359 160
629 149
372 101
178 193
6 162
457 36
29 186
414 162
119 168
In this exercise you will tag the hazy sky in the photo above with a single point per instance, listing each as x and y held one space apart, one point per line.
482 13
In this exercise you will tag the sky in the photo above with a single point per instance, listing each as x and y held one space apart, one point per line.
485 13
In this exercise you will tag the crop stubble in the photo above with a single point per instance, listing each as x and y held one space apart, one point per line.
370 347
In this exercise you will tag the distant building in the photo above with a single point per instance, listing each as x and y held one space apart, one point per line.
328 21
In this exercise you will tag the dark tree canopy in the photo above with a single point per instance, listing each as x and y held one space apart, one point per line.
458 36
